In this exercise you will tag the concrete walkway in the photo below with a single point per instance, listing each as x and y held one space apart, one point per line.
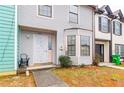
45 78
112 65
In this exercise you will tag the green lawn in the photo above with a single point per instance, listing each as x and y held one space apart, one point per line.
122 65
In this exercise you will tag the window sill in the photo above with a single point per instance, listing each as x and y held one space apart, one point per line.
104 32
117 35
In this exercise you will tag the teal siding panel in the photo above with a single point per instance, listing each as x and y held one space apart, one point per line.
6 19
9 6
5 41
7 31
6 16
5 22
5 62
6 70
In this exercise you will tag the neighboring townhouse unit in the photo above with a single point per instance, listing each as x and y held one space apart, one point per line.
109 37
8 37
46 32
118 34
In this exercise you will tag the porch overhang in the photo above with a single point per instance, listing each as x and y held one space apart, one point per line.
36 29
97 39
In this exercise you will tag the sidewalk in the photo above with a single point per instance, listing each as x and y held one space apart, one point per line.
112 65
45 78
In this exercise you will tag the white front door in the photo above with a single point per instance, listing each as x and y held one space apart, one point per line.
40 48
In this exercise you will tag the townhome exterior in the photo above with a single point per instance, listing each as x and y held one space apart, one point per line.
118 34
46 32
8 37
109 37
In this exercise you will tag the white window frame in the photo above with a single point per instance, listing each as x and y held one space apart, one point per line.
120 28
119 51
101 24
43 16
77 14
71 45
88 46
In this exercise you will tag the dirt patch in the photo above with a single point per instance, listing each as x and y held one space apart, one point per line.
91 76
20 80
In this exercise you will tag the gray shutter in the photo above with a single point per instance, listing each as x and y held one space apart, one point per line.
120 29
109 24
114 27
99 23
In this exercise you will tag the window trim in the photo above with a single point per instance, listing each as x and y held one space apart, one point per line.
77 14
114 28
83 45
45 15
100 26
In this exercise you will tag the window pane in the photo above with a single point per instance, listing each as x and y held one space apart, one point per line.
74 9
119 49
85 45
122 50
49 42
73 18
45 10
73 14
116 49
117 28
104 24
71 45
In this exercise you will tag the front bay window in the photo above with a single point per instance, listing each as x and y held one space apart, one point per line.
84 45
104 24
71 45
117 28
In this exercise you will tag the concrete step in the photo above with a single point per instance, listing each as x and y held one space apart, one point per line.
40 67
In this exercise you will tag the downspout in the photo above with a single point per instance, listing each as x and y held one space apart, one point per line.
110 44
111 32
93 35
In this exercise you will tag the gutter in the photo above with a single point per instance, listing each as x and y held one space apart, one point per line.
93 35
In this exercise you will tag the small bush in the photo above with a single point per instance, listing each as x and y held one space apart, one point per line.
96 60
82 65
65 61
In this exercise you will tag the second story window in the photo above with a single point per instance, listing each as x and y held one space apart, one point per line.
45 10
117 28
104 24
73 14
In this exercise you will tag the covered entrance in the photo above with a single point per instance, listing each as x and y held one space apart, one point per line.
100 51
39 45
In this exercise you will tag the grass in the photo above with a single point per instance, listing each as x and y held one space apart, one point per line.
17 81
121 65
91 76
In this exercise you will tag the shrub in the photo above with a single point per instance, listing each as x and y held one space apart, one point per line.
96 60
82 65
65 61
